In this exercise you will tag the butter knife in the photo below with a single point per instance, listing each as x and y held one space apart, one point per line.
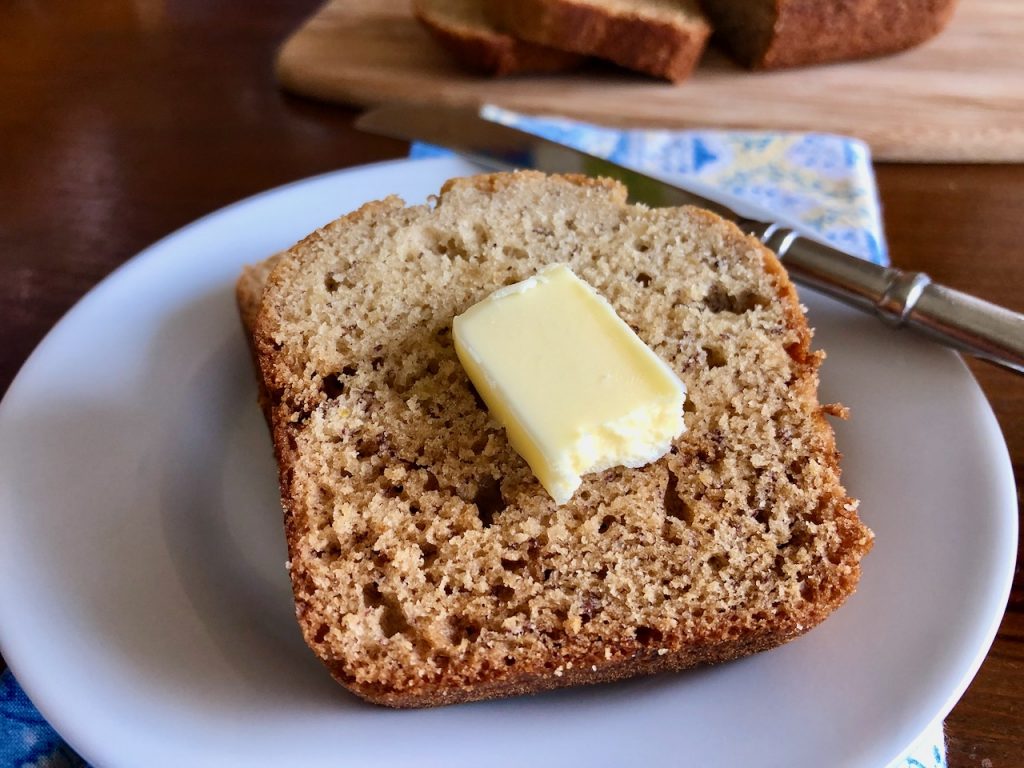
900 298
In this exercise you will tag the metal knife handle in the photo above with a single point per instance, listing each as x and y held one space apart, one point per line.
900 298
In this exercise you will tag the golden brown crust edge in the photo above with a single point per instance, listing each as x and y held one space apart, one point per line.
809 32
495 54
643 662
625 662
646 45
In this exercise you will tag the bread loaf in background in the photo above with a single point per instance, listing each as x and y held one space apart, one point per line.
666 38
771 34
663 39
428 564
463 28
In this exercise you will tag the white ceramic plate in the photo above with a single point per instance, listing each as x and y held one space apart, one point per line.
145 607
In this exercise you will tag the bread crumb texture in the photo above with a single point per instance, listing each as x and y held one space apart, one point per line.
428 564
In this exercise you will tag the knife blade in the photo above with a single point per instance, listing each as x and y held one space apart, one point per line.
899 298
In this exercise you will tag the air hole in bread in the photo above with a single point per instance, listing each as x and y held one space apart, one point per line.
715 357
808 591
510 661
488 500
321 633
763 515
503 592
719 299
332 386
429 552
606 523
367 447
453 249
675 506
513 565
688 407
330 283
644 279
463 630
799 538
642 246
393 620
516 253
670 533
333 549
835 557
372 596
718 562
779 566
648 635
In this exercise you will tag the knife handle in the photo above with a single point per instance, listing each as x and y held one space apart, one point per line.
900 298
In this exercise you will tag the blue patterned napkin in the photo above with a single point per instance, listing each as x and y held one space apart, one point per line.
820 183
26 740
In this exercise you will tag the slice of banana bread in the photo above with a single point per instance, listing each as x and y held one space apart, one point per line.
664 38
428 564
462 28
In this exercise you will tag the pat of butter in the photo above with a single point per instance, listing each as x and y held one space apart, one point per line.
575 388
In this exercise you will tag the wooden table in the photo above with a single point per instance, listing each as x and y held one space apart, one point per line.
121 121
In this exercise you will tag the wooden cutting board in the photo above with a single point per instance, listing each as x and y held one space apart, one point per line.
958 98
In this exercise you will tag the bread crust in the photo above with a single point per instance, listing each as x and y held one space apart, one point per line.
629 662
808 32
652 46
580 664
489 51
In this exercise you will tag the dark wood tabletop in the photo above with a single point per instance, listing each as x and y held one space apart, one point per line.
122 120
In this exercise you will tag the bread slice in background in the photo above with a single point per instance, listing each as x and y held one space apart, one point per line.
464 30
428 564
659 37
772 34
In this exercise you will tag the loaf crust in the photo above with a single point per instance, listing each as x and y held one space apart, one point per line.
461 27
774 34
419 582
663 45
